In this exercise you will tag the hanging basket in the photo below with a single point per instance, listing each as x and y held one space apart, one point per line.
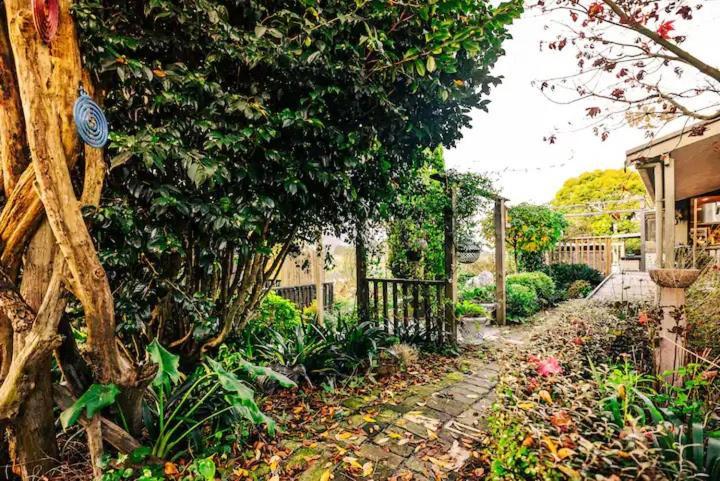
468 254
46 14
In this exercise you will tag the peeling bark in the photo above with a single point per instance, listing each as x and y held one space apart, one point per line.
34 430
46 139
12 129
39 343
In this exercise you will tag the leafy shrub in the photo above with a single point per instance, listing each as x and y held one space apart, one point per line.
522 301
303 346
338 348
277 313
579 289
542 283
703 312
470 309
538 417
632 246
566 274
484 294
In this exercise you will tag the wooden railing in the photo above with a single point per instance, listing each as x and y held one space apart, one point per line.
411 309
597 252
304 295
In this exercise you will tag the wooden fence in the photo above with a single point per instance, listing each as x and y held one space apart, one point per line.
410 308
304 295
597 252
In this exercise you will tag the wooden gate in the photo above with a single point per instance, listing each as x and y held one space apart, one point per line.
411 309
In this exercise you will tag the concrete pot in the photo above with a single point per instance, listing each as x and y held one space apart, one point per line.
674 278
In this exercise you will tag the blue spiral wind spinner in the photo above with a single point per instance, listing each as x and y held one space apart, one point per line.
90 121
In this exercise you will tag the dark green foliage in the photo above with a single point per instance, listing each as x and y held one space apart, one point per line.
217 393
416 224
542 283
566 274
341 348
241 128
94 400
522 302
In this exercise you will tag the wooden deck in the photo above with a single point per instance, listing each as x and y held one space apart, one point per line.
625 286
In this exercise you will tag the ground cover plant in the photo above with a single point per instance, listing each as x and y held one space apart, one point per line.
579 403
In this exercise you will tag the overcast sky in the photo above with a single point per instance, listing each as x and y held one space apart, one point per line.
508 141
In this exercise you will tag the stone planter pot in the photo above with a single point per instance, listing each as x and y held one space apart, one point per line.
671 334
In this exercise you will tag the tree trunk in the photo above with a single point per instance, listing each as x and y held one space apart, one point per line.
47 139
34 430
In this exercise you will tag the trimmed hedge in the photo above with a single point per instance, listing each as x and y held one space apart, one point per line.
522 301
542 283
566 274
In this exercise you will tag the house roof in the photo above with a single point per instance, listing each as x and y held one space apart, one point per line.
697 159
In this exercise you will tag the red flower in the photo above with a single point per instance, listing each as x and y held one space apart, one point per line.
578 341
595 9
643 318
548 367
665 28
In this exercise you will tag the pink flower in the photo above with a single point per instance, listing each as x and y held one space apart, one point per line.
548 367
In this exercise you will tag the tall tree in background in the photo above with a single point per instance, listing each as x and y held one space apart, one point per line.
532 230
632 66
616 191
238 129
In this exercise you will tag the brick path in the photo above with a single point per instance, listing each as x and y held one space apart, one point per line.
421 434
424 435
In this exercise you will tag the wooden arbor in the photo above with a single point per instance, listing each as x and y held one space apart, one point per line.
417 307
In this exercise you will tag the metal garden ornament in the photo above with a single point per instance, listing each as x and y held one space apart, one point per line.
90 121
46 14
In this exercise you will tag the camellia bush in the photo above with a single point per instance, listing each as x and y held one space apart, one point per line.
237 131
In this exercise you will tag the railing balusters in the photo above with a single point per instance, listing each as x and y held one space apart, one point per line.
405 309
440 314
416 308
411 305
376 310
396 308
426 305
385 305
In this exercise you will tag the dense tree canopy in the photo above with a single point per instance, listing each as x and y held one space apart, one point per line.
617 192
241 128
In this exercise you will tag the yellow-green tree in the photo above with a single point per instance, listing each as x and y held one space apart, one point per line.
601 202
